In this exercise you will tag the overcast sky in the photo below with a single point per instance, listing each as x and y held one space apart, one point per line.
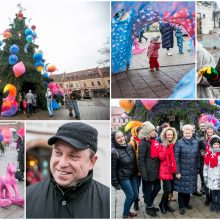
69 33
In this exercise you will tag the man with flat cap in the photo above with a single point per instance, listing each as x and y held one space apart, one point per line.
71 191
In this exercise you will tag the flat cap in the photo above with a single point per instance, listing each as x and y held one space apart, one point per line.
78 135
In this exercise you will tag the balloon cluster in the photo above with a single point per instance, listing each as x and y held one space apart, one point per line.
211 119
14 49
56 89
28 34
38 58
7 134
9 105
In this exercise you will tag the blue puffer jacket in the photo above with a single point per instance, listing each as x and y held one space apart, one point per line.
166 31
186 155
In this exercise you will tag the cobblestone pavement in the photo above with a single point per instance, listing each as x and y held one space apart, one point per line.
13 211
90 109
144 84
199 209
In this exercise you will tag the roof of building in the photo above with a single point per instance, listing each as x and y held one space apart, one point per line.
83 74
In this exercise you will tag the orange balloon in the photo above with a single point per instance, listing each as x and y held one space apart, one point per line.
51 68
127 105
7 34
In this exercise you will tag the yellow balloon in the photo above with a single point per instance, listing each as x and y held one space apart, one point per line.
39 68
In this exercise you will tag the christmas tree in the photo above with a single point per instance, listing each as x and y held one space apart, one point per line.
19 48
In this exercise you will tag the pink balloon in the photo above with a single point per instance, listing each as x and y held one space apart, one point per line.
19 69
149 104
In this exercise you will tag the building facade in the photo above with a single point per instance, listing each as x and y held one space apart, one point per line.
89 83
118 118
205 19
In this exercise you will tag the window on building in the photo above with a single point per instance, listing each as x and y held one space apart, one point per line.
77 85
109 82
99 83
92 83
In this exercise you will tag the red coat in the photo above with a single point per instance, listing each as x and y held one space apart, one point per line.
152 50
167 165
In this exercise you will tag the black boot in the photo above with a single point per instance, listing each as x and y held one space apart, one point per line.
163 202
206 200
151 212
136 206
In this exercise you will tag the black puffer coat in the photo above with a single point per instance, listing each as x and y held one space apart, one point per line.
186 155
149 167
89 199
124 164
166 31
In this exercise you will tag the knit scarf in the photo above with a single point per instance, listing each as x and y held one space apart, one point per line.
211 158
154 148
171 158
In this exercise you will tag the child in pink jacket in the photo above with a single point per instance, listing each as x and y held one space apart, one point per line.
152 53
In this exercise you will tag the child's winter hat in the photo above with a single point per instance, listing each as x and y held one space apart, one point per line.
214 139
209 125
146 129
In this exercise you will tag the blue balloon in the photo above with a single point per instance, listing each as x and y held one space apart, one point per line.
1 43
39 63
46 75
37 57
34 35
12 59
29 38
217 102
28 31
14 49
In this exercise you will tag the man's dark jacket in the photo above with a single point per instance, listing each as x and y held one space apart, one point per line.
89 199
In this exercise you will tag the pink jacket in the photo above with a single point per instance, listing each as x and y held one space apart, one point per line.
152 50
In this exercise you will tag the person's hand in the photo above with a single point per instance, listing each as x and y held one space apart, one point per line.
178 176
118 187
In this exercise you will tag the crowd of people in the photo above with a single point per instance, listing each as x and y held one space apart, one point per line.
29 103
150 155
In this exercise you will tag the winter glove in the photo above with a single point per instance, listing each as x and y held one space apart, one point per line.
118 187
209 72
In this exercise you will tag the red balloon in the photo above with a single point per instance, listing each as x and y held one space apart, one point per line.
33 27
149 104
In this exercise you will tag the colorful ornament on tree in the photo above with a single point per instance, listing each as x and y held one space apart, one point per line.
9 104
13 59
39 66
127 105
7 34
19 69
14 49
211 119
29 38
33 27
149 104
1 43
28 31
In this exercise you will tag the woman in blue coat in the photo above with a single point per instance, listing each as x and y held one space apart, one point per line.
186 155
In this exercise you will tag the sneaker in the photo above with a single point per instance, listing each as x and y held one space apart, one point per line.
169 53
157 68
125 216
77 117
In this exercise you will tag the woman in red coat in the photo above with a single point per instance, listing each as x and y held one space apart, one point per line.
167 166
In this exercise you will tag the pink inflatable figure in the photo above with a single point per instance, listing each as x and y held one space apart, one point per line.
137 50
6 183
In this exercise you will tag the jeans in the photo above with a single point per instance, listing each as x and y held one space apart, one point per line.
75 108
183 199
216 199
29 109
151 190
130 188
49 107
